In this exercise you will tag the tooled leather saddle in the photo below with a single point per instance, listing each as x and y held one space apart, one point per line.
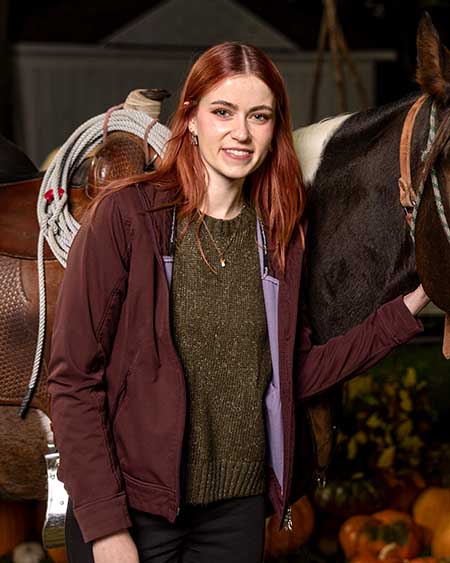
119 156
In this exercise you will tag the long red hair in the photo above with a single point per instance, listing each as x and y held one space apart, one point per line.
275 189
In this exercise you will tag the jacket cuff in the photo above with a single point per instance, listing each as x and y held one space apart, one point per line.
398 321
103 517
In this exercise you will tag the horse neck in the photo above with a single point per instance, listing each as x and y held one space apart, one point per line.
351 136
379 131
357 231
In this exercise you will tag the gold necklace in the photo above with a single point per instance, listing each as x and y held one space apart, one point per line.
221 253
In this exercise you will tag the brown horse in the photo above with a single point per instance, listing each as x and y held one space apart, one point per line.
360 250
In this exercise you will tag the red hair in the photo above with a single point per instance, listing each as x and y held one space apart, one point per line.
276 188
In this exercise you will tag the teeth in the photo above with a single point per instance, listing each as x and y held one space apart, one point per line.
237 152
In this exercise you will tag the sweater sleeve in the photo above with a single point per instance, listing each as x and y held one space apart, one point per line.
86 317
319 367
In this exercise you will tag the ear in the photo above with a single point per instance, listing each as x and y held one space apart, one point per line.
433 62
193 125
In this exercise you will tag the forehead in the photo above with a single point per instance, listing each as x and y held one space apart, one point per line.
241 90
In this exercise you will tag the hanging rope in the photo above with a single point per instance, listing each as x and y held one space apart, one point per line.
331 31
57 226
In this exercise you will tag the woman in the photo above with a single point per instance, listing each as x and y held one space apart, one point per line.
178 355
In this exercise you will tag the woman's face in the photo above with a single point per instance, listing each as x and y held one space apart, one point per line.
234 123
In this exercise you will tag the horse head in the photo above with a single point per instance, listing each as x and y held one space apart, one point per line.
432 231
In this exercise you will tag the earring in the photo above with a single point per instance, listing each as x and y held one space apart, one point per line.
194 138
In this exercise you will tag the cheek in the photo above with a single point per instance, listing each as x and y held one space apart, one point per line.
209 127
265 139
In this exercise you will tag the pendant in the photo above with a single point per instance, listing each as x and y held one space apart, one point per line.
222 262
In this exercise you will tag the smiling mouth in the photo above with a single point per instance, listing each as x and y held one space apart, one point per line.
238 153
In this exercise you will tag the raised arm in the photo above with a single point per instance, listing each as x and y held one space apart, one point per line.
319 367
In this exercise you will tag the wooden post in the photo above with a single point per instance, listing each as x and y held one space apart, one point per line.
340 54
362 92
5 70
336 55
318 72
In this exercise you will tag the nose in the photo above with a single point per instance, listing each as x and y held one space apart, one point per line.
240 130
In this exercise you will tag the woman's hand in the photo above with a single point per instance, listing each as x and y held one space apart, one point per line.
416 300
116 548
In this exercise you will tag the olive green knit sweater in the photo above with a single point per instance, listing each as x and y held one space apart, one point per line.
219 327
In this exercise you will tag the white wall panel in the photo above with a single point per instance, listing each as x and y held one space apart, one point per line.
58 87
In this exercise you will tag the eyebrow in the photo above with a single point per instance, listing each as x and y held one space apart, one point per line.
235 107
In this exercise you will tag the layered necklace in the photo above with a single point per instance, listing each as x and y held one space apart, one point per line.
221 251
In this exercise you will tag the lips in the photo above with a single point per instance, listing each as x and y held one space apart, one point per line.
238 153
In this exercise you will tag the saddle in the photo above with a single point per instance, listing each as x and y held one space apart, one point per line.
119 156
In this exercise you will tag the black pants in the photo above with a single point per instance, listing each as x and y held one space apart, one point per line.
228 531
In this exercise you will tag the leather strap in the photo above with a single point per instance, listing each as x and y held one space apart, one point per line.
446 344
407 195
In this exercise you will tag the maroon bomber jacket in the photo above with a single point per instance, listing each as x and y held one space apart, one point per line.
117 386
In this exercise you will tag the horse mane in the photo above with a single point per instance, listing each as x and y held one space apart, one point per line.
378 118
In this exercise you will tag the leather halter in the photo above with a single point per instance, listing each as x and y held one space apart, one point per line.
407 193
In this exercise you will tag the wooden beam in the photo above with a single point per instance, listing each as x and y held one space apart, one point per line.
5 71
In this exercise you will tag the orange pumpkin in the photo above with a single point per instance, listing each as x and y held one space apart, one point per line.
430 508
398 527
350 531
14 525
369 540
390 529
370 558
58 554
281 543
440 546
365 558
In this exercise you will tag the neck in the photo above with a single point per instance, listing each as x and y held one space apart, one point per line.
223 202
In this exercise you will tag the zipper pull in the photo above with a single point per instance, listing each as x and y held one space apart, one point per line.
321 480
287 520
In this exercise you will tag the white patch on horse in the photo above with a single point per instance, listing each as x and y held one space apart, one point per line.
310 142
45 423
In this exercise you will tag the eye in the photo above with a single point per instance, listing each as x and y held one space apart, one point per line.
221 112
261 117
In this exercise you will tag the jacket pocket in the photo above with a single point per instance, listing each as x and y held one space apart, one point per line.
121 401
147 431
141 483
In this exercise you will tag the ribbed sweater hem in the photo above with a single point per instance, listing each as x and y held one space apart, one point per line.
209 482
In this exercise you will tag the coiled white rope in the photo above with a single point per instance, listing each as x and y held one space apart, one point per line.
57 226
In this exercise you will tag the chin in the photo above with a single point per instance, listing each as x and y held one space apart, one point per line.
239 174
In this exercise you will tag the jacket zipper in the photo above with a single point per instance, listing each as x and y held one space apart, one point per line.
287 520
179 453
180 448
287 515
183 383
